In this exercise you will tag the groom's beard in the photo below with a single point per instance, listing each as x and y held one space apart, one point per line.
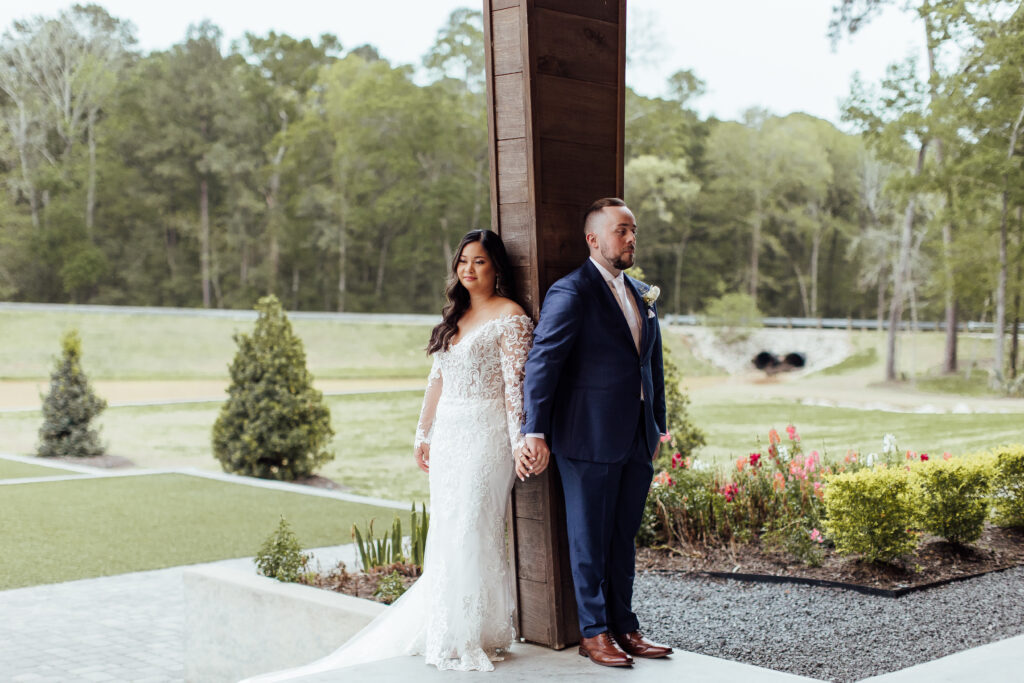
623 261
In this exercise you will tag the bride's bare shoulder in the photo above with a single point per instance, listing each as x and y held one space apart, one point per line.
509 307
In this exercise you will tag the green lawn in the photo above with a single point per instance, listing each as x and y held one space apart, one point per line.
118 346
372 442
733 429
61 531
374 432
9 469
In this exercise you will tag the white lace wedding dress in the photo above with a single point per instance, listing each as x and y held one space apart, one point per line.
458 615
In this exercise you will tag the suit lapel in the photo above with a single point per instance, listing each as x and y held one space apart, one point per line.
611 305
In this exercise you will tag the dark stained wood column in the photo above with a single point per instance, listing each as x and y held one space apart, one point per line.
555 114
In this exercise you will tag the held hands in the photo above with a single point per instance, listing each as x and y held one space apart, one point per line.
422 455
533 458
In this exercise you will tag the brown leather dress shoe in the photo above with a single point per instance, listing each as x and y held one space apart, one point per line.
635 644
601 649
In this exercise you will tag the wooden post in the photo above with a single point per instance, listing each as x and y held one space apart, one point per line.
555 117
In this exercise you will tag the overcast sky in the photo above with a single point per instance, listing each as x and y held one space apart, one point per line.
749 52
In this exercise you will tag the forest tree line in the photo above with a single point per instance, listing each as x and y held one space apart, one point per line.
211 174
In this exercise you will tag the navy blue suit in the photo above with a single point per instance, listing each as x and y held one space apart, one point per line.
583 392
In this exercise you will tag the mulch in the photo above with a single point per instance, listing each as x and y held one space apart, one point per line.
362 584
103 461
935 562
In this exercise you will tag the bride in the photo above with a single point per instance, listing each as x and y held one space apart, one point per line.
458 615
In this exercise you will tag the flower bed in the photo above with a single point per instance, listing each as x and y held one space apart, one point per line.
805 508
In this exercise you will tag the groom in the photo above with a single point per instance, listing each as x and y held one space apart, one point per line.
595 392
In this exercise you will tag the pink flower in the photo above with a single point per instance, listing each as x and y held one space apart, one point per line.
780 482
663 479
816 536
773 437
812 461
947 456
665 437
910 455
740 463
791 433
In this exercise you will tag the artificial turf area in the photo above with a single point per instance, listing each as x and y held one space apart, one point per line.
12 469
61 531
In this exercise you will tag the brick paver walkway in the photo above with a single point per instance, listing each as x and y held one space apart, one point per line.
118 628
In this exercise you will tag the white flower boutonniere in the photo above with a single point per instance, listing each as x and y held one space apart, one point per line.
651 295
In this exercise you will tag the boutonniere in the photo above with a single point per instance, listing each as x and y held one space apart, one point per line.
651 295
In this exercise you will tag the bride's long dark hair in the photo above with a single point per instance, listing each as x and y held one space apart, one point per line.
458 296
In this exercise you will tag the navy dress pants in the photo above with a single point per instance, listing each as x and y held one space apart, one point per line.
604 505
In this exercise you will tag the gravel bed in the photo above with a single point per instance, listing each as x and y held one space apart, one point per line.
828 633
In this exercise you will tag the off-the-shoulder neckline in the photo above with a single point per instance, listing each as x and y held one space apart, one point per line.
485 324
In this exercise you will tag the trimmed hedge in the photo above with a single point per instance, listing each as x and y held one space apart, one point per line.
871 513
952 498
1008 485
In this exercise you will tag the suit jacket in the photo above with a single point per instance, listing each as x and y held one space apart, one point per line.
584 374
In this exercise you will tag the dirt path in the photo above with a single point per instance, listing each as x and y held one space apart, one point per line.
25 395
854 390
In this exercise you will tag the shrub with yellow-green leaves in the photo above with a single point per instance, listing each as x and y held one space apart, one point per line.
871 513
1008 485
951 497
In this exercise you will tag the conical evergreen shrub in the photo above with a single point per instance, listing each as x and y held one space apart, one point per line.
70 407
274 425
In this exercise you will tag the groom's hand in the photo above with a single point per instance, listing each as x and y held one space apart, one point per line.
540 454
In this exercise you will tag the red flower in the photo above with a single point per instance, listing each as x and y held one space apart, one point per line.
924 456
754 457
677 460
730 492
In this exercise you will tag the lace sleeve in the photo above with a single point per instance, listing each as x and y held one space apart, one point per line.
430 398
516 338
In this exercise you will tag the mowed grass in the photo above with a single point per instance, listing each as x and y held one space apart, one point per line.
59 531
121 346
11 469
374 432
737 429
372 442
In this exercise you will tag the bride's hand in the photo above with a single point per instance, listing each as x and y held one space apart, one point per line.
522 458
422 455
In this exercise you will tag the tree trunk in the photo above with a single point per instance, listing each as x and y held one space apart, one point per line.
342 256
295 288
677 285
900 275
815 253
999 323
382 260
881 302
949 356
1015 338
90 192
1000 318
755 244
800 281
273 188
204 239
446 244
22 142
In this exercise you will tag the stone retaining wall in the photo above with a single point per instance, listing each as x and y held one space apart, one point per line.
239 624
